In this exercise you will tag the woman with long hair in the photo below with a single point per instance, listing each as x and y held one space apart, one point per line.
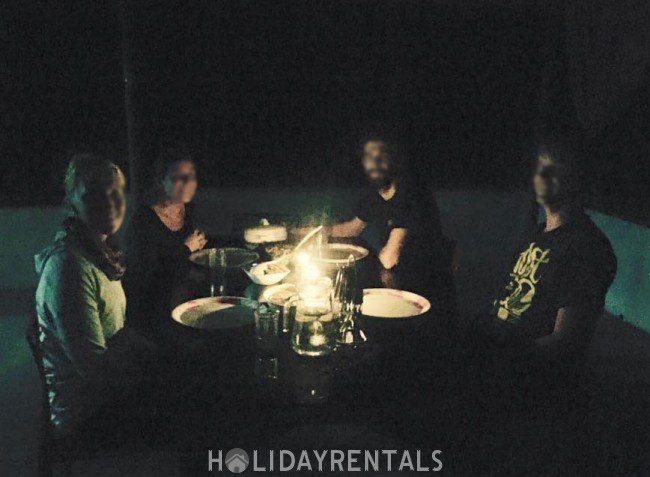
159 239
80 302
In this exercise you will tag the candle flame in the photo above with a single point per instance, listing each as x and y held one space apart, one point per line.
311 273
303 259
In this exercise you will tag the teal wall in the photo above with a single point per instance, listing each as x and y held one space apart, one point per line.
630 293
487 226
23 232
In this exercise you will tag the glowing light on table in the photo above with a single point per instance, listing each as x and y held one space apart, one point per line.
303 259
310 273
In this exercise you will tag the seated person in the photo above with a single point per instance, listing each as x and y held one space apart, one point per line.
555 292
89 360
414 252
159 239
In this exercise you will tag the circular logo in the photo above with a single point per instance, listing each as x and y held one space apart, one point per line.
237 460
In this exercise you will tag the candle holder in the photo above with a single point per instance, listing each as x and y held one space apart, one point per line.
314 327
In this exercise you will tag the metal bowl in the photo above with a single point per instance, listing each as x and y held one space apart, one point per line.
393 318
339 253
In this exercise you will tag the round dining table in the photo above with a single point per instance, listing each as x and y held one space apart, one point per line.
231 389
421 386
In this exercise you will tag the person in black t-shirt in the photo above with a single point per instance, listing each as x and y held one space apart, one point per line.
555 291
414 252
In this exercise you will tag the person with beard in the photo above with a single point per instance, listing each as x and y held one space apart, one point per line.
415 254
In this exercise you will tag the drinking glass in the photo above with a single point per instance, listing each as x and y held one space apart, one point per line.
348 299
217 264
267 329
289 314
267 325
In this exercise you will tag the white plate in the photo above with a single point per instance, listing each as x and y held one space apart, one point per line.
390 303
216 313
338 253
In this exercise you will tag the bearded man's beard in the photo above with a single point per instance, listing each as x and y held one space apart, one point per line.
381 182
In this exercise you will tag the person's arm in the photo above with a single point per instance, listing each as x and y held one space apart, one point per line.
143 242
141 251
389 255
73 304
574 326
582 288
351 228
139 247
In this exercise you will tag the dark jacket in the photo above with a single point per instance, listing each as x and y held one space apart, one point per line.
156 261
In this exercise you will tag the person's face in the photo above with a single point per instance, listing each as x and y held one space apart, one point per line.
376 163
548 181
180 182
101 204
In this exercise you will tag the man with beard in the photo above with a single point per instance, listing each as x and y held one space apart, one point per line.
555 291
414 255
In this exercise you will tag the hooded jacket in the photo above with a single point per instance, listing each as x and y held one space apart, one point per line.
79 309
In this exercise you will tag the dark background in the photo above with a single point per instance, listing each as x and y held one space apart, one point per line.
278 93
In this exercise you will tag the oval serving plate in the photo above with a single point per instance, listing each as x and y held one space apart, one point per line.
279 294
216 313
338 253
388 303
258 276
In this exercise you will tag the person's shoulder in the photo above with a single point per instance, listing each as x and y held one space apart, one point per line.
584 230
143 218
589 241
410 189
367 191
63 258
367 194
143 212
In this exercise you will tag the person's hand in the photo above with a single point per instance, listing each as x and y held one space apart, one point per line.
196 241
389 257
387 278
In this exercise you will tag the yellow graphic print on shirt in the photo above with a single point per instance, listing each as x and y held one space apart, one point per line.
524 278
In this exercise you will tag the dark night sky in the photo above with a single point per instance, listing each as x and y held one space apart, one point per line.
279 92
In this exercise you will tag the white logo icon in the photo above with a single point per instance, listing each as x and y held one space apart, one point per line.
237 460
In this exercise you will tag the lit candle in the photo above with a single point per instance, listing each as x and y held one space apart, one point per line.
303 259
311 273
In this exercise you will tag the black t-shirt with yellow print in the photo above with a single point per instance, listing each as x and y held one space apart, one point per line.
570 266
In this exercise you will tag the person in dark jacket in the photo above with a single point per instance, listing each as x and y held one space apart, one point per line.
159 239
90 362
